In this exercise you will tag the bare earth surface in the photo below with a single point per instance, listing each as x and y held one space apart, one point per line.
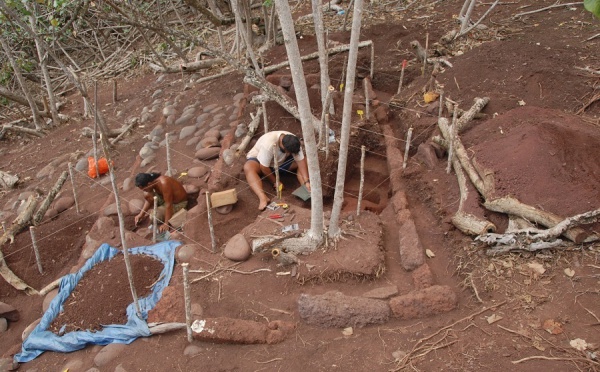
540 136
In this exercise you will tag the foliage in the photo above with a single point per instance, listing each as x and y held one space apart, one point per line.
593 6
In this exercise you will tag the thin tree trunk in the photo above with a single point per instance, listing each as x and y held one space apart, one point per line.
43 57
338 198
323 60
315 234
68 72
36 113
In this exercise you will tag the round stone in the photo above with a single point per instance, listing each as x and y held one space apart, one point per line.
198 172
237 248
208 153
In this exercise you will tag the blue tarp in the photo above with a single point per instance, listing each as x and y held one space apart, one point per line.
41 339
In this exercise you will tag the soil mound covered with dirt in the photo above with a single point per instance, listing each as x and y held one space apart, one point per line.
542 157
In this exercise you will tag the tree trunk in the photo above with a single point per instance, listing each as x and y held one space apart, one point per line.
68 72
323 60
338 199
34 110
50 198
307 120
18 99
43 65
19 224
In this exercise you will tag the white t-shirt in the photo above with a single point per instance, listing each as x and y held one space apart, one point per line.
263 149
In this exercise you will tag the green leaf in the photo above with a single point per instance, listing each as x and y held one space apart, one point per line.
592 6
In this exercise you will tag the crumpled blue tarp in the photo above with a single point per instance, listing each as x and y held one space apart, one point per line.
41 340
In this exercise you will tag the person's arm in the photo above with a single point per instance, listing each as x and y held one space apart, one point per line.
142 215
167 194
303 172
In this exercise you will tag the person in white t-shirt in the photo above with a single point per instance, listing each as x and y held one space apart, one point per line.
259 162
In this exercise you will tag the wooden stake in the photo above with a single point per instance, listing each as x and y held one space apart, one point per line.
264 107
401 77
408 138
154 219
327 104
36 250
210 223
188 304
452 136
327 140
276 166
367 111
425 56
372 61
121 226
169 169
73 185
114 91
96 128
441 104
362 178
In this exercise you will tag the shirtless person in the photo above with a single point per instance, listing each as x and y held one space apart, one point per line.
172 197
259 162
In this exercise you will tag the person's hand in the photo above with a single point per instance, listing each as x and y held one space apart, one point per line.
138 218
307 185
164 227
276 186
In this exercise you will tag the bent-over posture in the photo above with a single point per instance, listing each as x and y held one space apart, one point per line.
259 162
172 197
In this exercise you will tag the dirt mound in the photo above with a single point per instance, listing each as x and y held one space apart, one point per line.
543 157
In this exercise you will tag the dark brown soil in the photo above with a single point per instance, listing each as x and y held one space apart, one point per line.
108 281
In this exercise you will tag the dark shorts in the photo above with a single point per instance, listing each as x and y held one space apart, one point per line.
283 167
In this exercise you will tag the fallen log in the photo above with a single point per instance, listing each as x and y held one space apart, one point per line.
19 224
239 331
274 94
7 180
510 205
20 129
187 67
252 127
49 198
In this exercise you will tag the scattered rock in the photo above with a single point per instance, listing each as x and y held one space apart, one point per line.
382 293
49 297
237 248
111 210
29 329
198 172
128 184
210 107
184 119
3 325
187 131
191 350
146 152
426 154
135 206
433 300
334 309
63 203
422 277
9 312
191 189
186 252
147 161
108 354
208 153
197 311
168 111
73 365
228 156
412 253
